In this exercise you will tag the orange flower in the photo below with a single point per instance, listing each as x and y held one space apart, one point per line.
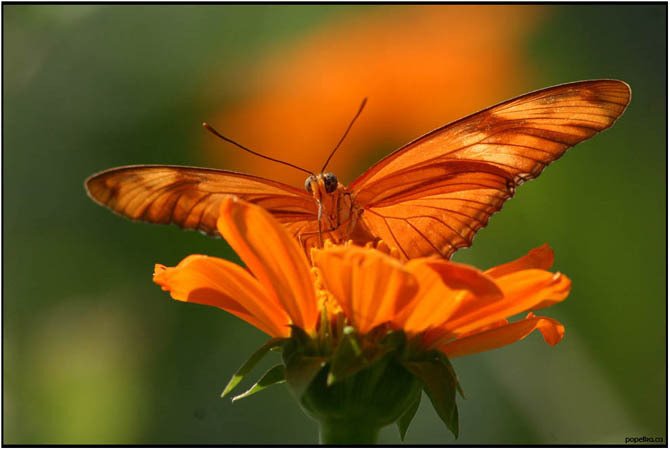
420 67
448 306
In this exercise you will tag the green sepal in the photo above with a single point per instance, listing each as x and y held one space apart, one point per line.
393 340
302 359
439 382
273 376
300 337
251 363
347 359
408 415
447 363
353 354
301 371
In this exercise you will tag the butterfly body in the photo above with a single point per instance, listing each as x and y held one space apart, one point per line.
427 198
337 214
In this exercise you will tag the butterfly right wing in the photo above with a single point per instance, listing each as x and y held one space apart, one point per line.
431 196
190 197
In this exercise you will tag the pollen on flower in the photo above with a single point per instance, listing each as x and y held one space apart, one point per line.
328 243
325 299
318 281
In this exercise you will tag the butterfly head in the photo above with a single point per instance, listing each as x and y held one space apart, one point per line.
326 182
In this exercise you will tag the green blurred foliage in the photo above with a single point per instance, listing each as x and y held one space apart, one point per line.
94 353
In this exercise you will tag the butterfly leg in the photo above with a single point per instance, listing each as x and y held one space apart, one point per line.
319 214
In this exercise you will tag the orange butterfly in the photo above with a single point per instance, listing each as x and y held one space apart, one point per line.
427 198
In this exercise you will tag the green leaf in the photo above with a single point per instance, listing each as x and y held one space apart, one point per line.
251 363
439 383
301 371
408 415
273 376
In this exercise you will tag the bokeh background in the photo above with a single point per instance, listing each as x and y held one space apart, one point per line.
95 353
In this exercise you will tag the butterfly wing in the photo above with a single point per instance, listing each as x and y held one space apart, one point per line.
431 196
190 197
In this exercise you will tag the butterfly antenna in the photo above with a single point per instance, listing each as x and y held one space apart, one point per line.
211 129
351 124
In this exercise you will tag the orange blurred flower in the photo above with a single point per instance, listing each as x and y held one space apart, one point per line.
448 306
420 67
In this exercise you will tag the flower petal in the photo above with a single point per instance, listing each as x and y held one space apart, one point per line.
445 287
217 282
552 332
370 286
524 290
541 257
273 257
463 276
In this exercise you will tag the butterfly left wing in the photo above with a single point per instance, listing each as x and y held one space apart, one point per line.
431 196
190 197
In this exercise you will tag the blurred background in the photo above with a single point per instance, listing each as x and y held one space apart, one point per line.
95 353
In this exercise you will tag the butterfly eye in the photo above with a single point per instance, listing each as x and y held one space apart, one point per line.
308 183
330 182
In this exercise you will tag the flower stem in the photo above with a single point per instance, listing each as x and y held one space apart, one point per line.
347 432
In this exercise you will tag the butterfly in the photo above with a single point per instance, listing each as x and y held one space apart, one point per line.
428 198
